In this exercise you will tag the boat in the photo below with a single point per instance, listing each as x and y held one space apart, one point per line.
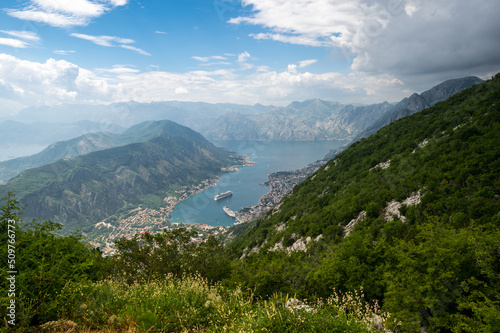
229 212
223 195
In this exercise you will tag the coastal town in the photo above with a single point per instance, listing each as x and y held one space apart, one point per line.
280 184
147 220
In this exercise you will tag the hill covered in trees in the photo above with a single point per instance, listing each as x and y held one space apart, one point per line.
410 214
83 190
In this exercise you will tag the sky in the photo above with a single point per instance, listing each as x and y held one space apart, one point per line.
270 52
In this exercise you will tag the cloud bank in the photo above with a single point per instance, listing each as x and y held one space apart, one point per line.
412 40
27 83
64 13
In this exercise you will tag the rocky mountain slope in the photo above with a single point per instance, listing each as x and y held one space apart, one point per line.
299 121
323 120
418 102
80 191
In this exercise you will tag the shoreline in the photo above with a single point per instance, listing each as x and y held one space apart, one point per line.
153 220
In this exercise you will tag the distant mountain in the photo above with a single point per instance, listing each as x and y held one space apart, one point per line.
78 146
299 121
195 115
14 132
60 150
80 191
418 102
323 120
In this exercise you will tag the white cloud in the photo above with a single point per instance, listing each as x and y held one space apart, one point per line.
205 59
415 40
108 41
181 91
136 49
26 35
63 52
111 41
293 39
292 68
243 57
118 3
53 82
13 42
119 69
53 19
64 13
160 32
71 7
305 63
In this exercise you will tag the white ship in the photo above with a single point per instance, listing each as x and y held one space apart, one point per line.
223 195
229 212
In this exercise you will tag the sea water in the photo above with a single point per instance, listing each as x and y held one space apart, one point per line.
269 157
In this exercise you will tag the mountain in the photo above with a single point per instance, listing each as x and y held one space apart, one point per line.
418 102
194 115
324 120
14 132
60 150
81 191
81 145
410 214
300 121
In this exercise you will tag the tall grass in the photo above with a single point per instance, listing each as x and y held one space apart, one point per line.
191 304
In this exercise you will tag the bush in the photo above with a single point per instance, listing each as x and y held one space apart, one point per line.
45 262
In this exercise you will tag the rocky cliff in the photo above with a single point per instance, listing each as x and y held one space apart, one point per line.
300 121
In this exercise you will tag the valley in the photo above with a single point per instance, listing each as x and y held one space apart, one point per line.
425 186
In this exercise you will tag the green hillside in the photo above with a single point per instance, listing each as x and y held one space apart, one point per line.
81 191
411 215
86 144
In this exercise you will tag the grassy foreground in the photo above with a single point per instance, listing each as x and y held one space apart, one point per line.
191 304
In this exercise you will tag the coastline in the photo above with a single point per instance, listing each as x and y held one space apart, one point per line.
152 220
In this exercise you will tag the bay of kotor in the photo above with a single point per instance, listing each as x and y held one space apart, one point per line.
246 183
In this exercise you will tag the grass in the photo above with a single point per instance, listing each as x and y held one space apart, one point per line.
191 304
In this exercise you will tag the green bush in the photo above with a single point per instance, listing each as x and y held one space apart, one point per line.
45 262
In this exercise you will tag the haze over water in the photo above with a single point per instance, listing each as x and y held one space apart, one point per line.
245 184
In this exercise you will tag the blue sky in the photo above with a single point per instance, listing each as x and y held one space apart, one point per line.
250 51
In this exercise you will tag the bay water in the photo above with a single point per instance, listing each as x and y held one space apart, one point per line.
269 157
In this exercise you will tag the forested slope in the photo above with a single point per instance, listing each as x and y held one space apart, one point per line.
78 192
410 214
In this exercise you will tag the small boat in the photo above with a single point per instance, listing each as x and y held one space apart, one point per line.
223 195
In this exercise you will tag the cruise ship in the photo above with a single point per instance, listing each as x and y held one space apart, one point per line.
229 212
223 195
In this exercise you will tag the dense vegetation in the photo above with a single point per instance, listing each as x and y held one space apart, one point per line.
155 283
436 264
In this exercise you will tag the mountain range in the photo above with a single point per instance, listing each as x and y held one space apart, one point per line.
323 120
13 132
83 190
81 145
418 102
308 120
